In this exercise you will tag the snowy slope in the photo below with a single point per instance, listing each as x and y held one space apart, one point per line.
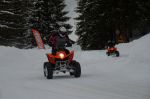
125 77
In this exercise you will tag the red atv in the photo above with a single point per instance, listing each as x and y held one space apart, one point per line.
112 51
61 62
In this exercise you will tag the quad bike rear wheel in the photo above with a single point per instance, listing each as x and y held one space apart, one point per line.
48 70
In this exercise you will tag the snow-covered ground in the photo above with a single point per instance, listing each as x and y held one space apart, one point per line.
103 77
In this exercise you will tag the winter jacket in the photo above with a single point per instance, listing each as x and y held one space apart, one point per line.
58 42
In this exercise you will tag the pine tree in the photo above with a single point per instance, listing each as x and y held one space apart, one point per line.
17 17
92 35
81 29
14 27
99 20
49 16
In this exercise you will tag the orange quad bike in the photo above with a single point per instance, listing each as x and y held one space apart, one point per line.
112 51
61 62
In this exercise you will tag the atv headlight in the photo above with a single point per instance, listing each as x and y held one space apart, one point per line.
61 55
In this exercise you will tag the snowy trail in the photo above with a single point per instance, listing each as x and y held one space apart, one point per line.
126 77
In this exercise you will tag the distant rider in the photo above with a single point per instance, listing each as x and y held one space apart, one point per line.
110 44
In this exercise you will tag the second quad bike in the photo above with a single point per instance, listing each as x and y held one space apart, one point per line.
112 51
62 61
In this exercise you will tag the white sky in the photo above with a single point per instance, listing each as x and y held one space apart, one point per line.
71 6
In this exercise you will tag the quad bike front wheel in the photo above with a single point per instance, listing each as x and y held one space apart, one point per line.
77 69
117 53
48 70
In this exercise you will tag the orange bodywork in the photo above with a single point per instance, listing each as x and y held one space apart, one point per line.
61 55
113 49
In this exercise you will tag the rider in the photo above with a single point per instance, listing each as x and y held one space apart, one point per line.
58 40
110 44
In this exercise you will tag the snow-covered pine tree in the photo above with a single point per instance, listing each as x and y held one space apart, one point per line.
90 28
49 16
125 16
99 19
81 28
13 23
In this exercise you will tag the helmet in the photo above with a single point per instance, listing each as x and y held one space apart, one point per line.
63 29
109 41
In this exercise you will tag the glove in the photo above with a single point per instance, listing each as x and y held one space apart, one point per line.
68 44
50 44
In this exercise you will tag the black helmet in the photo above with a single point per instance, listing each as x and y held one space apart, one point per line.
109 41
